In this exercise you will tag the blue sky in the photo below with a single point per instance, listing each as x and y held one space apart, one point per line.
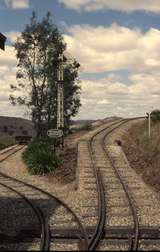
116 42
16 19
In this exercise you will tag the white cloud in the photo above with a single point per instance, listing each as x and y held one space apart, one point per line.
118 5
104 97
8 70
114 48
12 35
104 48
104 101
8 56
17 4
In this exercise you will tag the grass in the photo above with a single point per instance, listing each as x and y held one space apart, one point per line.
40 157
144 152
6 141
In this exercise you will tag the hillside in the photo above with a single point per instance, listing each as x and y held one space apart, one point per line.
12 126
144 152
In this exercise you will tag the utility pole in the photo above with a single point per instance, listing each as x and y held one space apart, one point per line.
60 95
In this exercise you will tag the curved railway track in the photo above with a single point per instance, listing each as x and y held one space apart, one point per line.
101 137
97 144
44 228
29 193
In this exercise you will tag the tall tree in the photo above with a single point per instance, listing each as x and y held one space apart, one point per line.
38 49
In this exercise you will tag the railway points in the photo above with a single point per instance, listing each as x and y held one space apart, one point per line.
121 206
116 208
50 211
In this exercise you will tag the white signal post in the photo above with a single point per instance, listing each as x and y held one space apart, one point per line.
149 124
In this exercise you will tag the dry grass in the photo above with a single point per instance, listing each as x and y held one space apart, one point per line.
144 152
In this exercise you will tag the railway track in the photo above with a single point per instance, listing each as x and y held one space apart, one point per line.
134 241
111 219
43 226
110 185
98 140
39 213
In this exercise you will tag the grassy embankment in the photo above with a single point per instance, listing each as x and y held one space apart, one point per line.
6 141
144 152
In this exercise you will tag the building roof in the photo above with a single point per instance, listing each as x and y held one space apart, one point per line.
2 41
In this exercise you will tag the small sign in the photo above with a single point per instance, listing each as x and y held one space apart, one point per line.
55 133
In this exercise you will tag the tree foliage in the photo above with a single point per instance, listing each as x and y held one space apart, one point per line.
38 49
155 115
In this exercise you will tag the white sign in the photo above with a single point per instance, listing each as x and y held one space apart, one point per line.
55 133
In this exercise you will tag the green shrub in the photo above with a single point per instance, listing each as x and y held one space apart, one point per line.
40 157
155 115
86 126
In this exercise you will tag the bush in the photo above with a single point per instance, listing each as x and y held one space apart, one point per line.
155 115
86 126
40 157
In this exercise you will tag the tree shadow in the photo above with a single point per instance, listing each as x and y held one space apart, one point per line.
19 225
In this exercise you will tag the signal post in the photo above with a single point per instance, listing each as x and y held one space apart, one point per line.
60 96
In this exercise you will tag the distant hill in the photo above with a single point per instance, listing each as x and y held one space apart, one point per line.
97 121
72 122
111 118
13 126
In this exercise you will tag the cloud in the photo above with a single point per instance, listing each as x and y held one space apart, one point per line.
104 48
8 70
12 36
17 4
105 97
118 5
114 48
8 56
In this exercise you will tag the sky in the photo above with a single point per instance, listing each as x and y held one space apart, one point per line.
117 43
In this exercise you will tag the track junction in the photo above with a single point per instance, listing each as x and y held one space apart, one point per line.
118 211
122 209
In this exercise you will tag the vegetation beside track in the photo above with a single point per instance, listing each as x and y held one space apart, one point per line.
81 127
6 141
40 156
144 152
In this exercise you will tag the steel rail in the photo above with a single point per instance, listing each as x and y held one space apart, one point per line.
6 149
93 243
84 236
12 153
44 226
134 243
60 202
